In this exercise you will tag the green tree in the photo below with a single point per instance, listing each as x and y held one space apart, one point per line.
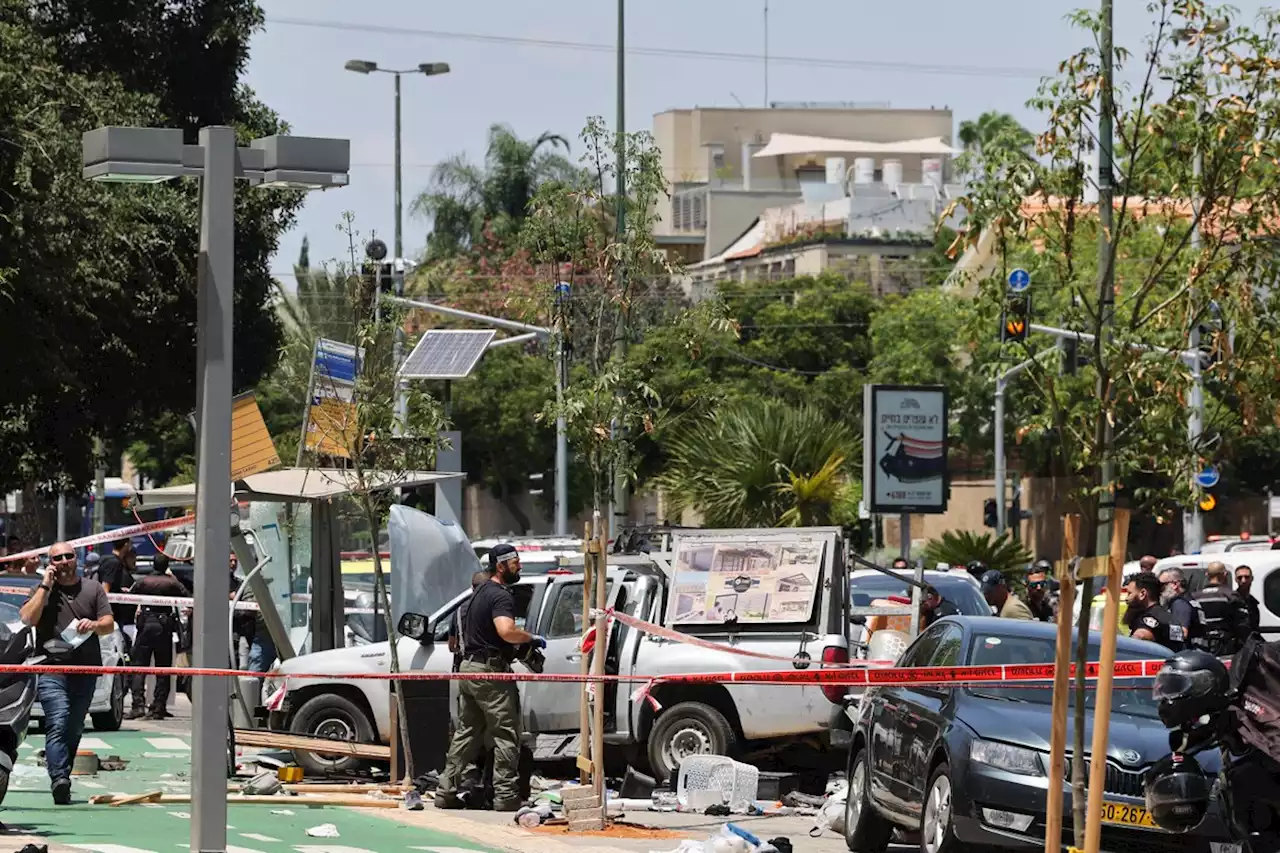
762 464
103 344
464 200
994 128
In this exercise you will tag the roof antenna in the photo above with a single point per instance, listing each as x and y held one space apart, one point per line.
766 54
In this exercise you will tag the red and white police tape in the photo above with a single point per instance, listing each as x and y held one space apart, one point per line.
107 536
1009 674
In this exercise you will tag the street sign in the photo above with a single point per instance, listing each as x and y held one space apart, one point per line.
1019 280
1208 477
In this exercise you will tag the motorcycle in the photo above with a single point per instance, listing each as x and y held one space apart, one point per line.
17 695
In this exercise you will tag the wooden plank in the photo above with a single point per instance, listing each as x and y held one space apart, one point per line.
281 740
148 797
300 801
1105 683
1061 688
584 763
334 788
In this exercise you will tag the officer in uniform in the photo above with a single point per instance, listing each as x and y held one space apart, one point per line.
1224 614
1146 618
489 708
1041 601
1174 598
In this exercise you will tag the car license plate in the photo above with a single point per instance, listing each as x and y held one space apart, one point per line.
1223 847
1127 815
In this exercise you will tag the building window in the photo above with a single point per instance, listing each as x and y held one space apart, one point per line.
698 216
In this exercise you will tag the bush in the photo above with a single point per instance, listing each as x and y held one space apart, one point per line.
959 548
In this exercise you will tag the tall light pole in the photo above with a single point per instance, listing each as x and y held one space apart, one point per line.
154 155
427 69
1192 521
621 495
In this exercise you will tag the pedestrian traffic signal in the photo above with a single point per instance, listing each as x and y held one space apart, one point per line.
1207 502
1015 319
989 518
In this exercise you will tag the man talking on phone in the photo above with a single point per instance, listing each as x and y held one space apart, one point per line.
74 609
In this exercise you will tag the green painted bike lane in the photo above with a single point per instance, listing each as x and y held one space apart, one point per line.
162 762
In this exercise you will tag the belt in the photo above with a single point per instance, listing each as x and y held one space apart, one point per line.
485 657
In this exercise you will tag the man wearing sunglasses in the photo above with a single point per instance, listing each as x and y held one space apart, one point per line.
67 607
1040 599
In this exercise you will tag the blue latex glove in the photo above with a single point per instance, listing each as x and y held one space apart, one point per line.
539 642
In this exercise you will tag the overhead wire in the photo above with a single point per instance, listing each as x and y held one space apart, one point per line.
948 69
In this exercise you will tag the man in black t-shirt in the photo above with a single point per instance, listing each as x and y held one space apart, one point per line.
1147 618
115 573
154 639
65 603
489 709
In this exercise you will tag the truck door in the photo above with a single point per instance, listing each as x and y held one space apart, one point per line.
550 706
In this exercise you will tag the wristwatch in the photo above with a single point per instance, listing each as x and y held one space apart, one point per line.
46 588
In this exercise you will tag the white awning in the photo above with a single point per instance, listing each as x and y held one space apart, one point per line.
790 143
294 484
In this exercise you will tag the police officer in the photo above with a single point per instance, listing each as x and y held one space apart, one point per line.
934 607
1225 615
154 638
1146 618
1175 599
489 708
1041 601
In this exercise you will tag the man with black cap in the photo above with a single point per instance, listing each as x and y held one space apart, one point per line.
1040 599
489 709
1006 604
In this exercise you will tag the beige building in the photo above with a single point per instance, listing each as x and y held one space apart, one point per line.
720 185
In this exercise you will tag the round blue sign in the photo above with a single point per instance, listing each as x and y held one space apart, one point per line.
1208 478
1019 280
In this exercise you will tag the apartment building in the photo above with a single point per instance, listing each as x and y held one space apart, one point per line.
726 166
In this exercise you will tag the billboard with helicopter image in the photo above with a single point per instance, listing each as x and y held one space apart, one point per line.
905 448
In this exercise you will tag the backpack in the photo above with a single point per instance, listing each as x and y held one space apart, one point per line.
1254 716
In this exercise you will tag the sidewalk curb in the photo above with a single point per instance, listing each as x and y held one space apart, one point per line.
510 838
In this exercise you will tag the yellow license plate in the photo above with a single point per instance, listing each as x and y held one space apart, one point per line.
1127 815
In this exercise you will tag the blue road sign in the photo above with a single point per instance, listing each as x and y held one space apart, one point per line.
562 290
336 361
1208 478
1019 280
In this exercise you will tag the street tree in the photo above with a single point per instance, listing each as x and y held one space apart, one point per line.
465 201
763 463
1191 247
379 453
103 345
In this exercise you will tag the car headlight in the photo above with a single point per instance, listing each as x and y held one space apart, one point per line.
1014 759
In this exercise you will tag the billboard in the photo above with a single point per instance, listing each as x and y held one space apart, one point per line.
905 448
331 409
252 449
744 582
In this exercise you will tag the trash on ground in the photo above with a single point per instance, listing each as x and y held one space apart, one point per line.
831 815
413 800
529 817
324 830
113 763
264 784
286 812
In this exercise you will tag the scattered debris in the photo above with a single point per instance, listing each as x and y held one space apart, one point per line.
31 848
324 746
148 797
529 817
636 785
285 812
113 763
264 784
413 800
831 815
324 830
292 773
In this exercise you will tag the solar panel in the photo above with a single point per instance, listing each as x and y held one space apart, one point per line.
446 354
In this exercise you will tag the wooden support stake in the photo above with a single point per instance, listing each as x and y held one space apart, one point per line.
1061 688
597 667
148 797
302 801
324 746
584 708
1103 688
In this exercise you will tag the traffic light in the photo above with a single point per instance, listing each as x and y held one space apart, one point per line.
1015 319
989 518
386 279
1207 502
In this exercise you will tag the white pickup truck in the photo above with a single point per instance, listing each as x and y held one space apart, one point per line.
694 718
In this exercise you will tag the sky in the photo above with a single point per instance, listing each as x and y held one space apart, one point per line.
972 57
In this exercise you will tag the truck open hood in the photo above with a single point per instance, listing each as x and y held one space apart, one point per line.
431 562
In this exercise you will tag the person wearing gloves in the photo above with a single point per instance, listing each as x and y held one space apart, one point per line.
489 709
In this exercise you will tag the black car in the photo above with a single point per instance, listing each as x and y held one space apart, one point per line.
966 766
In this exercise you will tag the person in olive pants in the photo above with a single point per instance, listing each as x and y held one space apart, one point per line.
489 707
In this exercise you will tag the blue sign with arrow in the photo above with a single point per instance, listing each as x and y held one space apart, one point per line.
1019 280
1208 477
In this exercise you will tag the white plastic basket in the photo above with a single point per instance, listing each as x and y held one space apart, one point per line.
886 645
735 784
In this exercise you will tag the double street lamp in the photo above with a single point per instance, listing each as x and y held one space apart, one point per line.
153 155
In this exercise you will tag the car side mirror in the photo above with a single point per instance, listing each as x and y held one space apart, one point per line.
414 626
860 621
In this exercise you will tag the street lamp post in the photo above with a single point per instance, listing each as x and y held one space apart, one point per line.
154 155
427 69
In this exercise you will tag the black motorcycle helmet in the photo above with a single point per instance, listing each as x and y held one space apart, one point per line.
1178 793
1190 685
977 568
1041 565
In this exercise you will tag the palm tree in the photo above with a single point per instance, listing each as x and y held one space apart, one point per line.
760 464
463 198
994 128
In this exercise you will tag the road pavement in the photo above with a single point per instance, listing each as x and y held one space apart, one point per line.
159 756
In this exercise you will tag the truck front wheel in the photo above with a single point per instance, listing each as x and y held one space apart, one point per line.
684 729
337 718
